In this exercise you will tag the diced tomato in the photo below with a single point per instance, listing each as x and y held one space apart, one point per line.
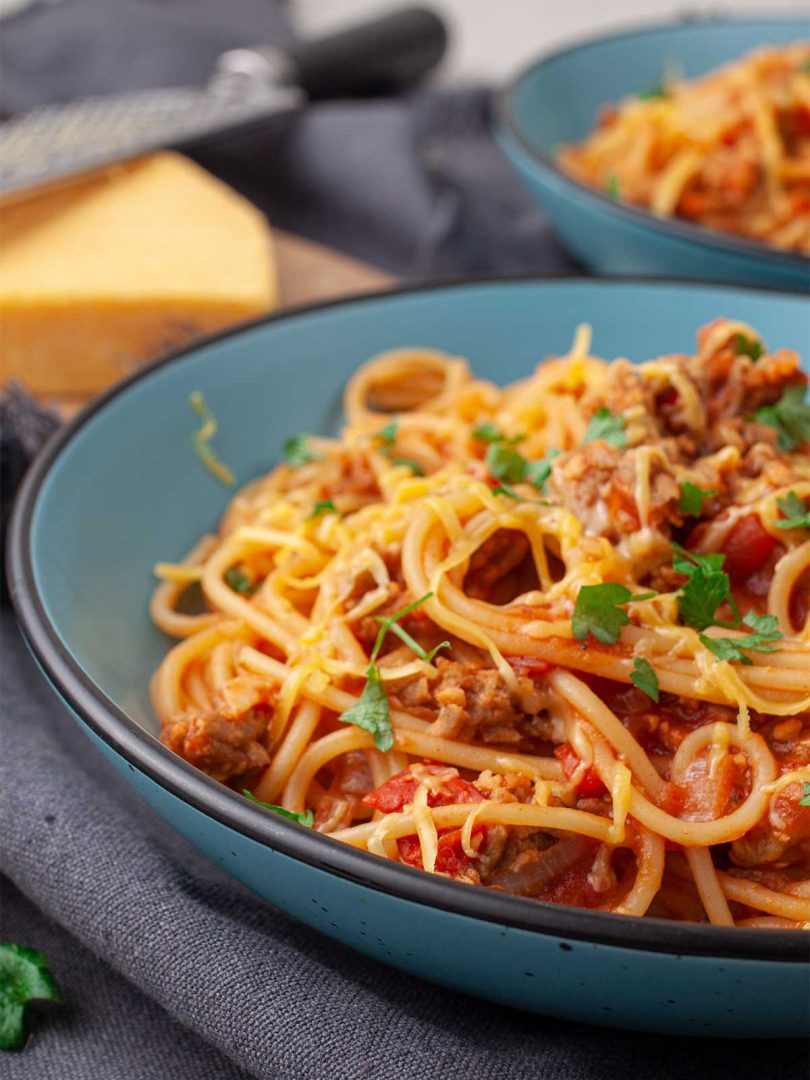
530 666
589 784
747 547
450 855
400 790
668 396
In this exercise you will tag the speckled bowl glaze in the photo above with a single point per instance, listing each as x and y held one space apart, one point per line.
120 488
556 100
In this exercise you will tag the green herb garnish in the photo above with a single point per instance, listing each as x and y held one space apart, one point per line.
644 678
25 979
764 630
238 580
805 799
307 818
797 516
612 186
201 441
705 590
297 450
388 434
505 464
599 611
691 498
790 416
488 433
408 463
657 90
323 506
538 472
745 346
371 711
510 493
604 425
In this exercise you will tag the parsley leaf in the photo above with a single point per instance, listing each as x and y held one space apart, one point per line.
371 711
392 623
790 416
510 493
644 678
201 441
538 472
658 90
297 450
691 499
805 69
323 506
612 186
797 516
706 588
604 425
25 977
745 346
388 434
239 581
489 433
505 464
764 631
805 799
599 611
414 466
307 818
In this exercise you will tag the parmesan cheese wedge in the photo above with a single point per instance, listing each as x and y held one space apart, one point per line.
118 268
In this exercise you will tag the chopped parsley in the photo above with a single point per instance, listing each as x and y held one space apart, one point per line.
307 818
388 434
790 416
644 678
408 463
657 90
510 493
488 433
604 425
372 711
746 346
599 610
25 979
797 516
538 472
764 630
805 69
706 588
297 450
506 464
691 498
239 581
201 441
612 186
805 799
323 506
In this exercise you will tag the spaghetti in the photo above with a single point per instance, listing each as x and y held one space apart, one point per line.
730 151
551 639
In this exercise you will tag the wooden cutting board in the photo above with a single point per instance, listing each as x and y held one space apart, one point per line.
308 273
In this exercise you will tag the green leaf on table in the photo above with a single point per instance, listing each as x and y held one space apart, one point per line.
25 980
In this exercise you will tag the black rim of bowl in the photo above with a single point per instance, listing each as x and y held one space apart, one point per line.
145 753
674 226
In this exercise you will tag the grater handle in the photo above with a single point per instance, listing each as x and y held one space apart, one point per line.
383 56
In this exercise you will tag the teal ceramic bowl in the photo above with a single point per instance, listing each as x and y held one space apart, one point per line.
556 101
120 489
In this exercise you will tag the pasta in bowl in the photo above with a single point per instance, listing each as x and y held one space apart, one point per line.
550 640
729 151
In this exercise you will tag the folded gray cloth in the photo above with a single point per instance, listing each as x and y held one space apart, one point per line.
167 967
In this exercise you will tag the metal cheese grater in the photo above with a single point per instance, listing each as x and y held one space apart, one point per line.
248 86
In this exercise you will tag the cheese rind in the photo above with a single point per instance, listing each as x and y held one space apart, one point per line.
120 268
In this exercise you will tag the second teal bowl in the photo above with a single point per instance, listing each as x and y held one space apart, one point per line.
556 101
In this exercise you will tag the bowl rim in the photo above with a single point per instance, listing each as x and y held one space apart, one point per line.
143 752
504 117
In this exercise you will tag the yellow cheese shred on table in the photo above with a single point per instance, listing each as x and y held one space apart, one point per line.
118 268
